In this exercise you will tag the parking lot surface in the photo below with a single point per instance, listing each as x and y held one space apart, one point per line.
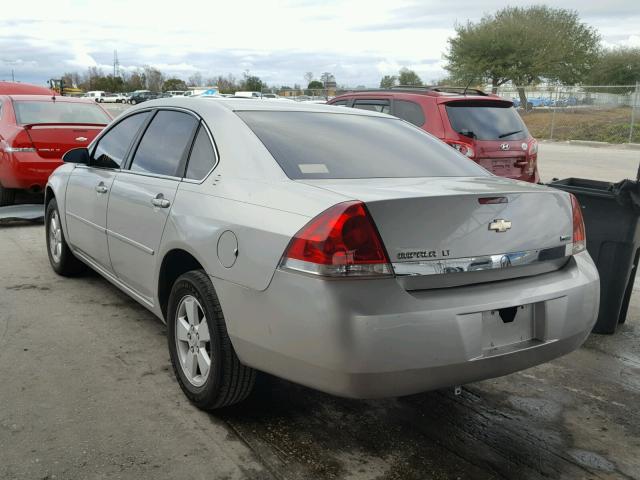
87 392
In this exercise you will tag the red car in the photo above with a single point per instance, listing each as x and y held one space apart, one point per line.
35 132
486 128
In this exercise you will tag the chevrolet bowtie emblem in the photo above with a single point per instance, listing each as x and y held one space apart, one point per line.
500 225
82 139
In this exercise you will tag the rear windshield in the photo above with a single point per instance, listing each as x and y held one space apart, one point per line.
486 120
35 112
333 145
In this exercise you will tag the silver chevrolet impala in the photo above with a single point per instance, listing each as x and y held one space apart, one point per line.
342 249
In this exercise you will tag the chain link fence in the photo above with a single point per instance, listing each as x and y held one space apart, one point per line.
593 113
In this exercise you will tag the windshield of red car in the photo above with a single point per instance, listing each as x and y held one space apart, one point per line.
29 112
485 120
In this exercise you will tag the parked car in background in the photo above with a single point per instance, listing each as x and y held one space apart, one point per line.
248 94
114 98
176 93
35 132
372 260
483 127
18 88
140 96
97 95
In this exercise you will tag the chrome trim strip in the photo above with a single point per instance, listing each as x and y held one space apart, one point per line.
481 263
86 222
133 243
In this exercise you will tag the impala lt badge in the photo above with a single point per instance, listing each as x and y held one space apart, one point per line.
500 225
504 146
82 139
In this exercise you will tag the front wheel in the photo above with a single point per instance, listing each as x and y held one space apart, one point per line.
132 101
204 361
62 260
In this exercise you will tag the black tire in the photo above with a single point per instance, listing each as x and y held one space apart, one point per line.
68 265
7 196
228 380
132 101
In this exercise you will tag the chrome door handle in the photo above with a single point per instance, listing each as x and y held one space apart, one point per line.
160 201
101 188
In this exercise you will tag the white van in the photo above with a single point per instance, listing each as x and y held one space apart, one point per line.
249 94
97 95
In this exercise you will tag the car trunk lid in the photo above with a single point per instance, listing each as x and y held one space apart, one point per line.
54 140
451 231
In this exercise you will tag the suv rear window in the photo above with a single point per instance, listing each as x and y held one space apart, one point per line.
484 120
35 112
310 145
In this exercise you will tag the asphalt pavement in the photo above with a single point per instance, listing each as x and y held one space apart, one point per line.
87 392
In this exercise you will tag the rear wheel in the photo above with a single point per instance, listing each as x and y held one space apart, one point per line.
204 361
132 101
61 258
7 196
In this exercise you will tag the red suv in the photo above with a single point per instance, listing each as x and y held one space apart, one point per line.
35 132
486 128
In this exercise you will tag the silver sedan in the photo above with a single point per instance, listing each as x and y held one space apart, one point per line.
342 249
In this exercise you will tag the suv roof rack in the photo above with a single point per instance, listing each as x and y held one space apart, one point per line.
426 89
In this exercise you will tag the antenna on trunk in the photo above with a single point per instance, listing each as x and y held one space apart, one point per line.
464 92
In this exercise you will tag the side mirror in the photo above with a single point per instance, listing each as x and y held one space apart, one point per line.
77 155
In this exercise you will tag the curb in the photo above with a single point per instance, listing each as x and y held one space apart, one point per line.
594 144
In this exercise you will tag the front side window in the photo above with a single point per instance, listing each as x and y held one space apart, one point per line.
33 112
341 103
113 146
165 143
202 157
361 146
382 106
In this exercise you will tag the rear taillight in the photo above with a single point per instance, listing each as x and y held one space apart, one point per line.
21 143
340 242
533 147
579 235
464 148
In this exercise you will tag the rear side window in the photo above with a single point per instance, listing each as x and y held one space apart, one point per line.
35 112
164 144
484 120
382 106
113 146
409 111
341 103
202 156
310 145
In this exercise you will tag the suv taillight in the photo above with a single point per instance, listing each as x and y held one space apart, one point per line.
21 143
579 234
340 242
464 148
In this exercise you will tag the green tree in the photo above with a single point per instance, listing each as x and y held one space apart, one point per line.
523 46
252 83
388 81
620 66
409 78
315 85
173 84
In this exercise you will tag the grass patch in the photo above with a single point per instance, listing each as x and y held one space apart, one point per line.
595 124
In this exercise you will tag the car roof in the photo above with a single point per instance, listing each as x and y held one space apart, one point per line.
16 88
442 95
246 104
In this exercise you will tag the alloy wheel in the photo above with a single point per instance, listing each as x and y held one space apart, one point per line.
193 343
55 237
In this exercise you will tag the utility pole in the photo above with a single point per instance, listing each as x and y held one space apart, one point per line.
634 104
116 64
13 78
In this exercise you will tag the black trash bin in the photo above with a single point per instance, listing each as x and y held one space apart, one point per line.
611 213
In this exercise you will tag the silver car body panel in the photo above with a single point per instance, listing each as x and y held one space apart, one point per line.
352 337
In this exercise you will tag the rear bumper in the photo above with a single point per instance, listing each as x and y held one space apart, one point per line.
371 338
26 170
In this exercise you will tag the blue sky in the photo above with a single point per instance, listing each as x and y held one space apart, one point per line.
358 41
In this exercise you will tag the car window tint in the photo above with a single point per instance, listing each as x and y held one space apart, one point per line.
409 111
341 103
113 146
360 146
164 143
30 112
202 156
486 120
382 106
